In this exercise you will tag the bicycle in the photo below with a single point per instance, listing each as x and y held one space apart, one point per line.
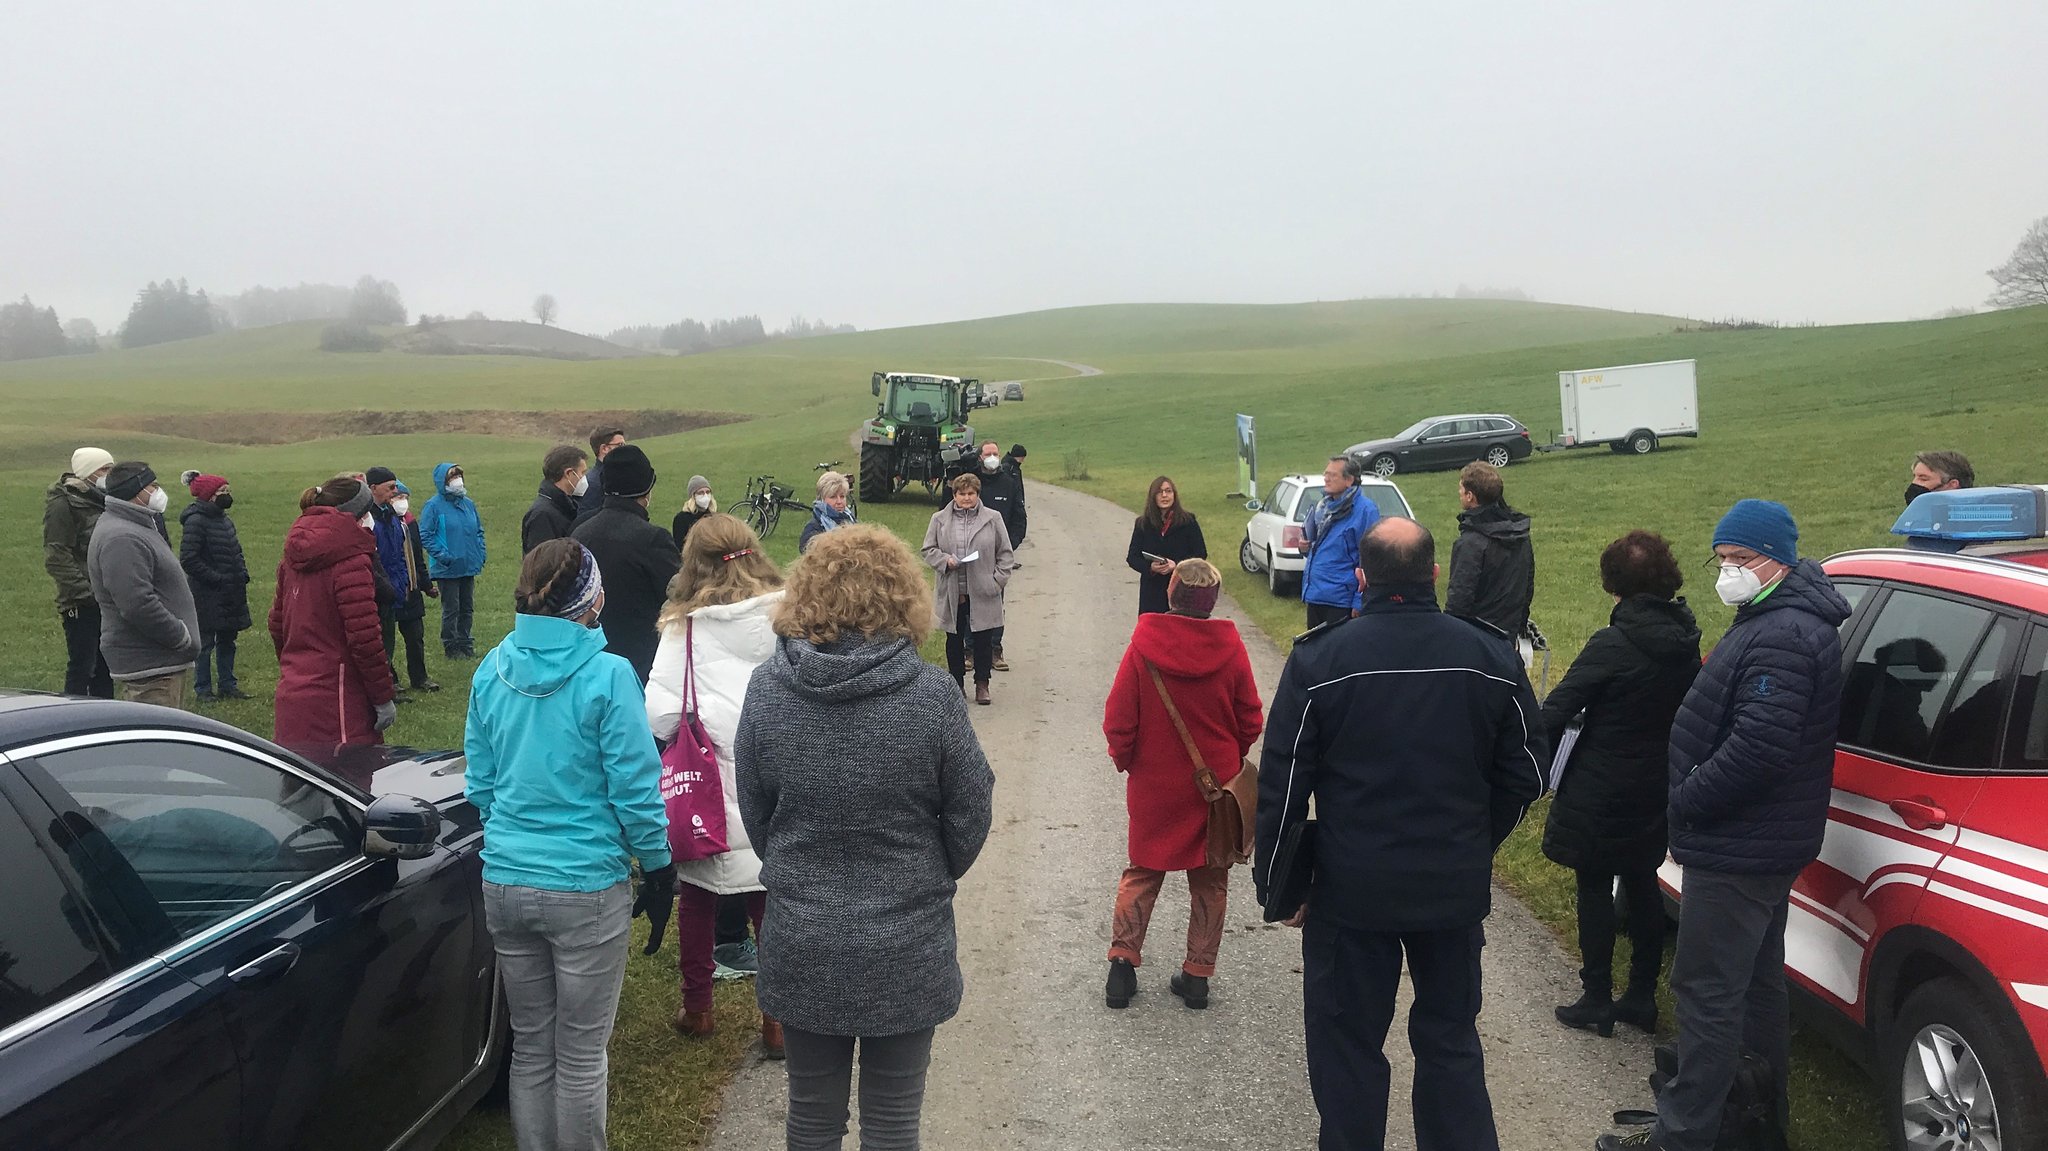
762 507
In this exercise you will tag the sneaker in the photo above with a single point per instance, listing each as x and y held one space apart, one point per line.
1000 664
401 696
735 960
426 685
1637 1140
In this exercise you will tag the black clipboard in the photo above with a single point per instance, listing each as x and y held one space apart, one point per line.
1292 871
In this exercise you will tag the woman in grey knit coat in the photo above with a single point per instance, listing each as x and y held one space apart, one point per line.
866 795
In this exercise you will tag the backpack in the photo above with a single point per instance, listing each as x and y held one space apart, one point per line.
1749 1117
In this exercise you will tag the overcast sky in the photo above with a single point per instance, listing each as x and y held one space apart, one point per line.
890 163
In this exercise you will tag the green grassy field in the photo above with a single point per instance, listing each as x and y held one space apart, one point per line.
1824 419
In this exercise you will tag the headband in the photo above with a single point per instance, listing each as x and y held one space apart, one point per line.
358 503
589 585
731 556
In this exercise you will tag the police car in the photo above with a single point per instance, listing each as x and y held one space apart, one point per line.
1921 932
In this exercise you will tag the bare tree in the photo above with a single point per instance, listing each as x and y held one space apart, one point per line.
544 308
2023 279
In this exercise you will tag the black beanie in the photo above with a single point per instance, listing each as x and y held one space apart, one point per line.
128 479
1017 451
379 475
627 472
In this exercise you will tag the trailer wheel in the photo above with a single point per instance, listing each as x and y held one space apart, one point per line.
1642 443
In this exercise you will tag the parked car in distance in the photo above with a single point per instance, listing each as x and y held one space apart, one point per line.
209 942
1918 941
1273 540
1014 391
1445 442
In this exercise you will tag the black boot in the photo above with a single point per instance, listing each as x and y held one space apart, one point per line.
1637 1007
1123 983
1593 1012
1192 989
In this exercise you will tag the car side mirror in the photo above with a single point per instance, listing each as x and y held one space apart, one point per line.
1254 505
401 827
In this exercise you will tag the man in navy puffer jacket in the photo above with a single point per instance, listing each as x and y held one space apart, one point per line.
1752 765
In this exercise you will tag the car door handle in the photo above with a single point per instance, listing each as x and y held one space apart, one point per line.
267 966
1920 814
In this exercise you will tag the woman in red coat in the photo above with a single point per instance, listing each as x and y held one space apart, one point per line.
1209 675
334 684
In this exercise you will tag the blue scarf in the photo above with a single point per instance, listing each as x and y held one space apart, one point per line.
1332 510
829 519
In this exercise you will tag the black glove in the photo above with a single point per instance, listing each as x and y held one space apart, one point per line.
656 901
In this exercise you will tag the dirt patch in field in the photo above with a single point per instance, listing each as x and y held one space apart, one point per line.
299 427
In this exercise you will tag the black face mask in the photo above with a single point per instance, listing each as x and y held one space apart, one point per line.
224 501
1915 491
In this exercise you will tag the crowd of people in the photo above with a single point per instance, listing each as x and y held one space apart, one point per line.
1410 729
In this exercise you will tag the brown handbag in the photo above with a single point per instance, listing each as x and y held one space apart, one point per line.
1233 806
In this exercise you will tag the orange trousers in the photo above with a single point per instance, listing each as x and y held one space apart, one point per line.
1208 891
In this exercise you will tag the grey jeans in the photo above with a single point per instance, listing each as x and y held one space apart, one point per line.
563 957
891 1089
1728 978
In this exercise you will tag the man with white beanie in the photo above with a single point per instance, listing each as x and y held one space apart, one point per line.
149 625
71 507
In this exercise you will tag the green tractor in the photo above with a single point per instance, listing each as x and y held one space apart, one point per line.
919 433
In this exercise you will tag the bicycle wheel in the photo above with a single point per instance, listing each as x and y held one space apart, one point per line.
771 515
750 512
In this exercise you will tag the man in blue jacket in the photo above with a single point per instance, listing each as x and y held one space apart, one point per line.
1419 740
453 533
1752 768
1331 584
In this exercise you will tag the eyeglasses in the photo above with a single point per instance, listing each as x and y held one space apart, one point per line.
1715 560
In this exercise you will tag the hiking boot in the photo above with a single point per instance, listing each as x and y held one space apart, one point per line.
1000 664
969 663
1123 983
426 685
694 1024
1192 989
1638 1140
1638 1009
981 693
771 1039
1593 1012
401 697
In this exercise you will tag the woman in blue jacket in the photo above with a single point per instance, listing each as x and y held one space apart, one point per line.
564 773
453 534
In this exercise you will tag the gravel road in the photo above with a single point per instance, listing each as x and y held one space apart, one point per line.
1035 1061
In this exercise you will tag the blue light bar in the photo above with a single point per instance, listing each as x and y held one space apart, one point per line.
1976 515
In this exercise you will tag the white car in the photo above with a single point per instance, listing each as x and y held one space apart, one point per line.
1272 540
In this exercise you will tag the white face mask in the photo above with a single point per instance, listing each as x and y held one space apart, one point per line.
991 463
582 485
159 501
100 481
1737 585
703 500
401 507
368 522
456 487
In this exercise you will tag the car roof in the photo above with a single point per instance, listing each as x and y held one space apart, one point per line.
2011 581
1472 416
1316 478
31 717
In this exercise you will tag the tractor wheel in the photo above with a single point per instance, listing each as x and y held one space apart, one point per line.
877 474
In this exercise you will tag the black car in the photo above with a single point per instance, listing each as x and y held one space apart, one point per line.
208 942
1445 442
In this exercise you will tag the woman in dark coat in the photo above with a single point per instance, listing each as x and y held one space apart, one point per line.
1607 820
211 554
1166 530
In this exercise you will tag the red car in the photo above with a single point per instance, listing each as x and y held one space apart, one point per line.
1921 932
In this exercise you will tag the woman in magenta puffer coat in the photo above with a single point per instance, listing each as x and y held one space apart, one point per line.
334 684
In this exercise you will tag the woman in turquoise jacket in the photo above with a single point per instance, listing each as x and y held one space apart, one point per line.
453 533
563 770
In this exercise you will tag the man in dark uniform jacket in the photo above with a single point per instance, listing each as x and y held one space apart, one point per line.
1419 738
636 557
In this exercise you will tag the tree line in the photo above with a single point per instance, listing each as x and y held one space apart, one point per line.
687 335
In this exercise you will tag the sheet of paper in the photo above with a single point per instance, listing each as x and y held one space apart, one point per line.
970 557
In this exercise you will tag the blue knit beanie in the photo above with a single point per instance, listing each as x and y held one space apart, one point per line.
1763 527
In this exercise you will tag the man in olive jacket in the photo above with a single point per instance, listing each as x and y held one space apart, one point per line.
71 508
149 626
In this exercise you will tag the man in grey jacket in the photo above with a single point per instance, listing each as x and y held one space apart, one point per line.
149 627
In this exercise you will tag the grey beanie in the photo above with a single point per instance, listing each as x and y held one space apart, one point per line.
697 484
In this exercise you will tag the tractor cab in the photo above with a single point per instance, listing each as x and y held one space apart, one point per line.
919 434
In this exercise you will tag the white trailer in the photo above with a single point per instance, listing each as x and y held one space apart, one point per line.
1629 408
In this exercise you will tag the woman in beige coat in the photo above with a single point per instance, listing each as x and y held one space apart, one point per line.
969 548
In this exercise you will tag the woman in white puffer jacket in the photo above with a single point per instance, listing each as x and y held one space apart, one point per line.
719 608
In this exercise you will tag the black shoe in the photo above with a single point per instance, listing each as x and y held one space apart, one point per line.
1593 1012
1638 1140
1123 983
1638 1009
235 693
1192 989
401 697
204 696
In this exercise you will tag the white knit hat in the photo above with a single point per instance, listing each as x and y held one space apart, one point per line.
86 461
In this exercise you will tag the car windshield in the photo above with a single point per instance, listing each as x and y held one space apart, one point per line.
1385 497
1415 429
